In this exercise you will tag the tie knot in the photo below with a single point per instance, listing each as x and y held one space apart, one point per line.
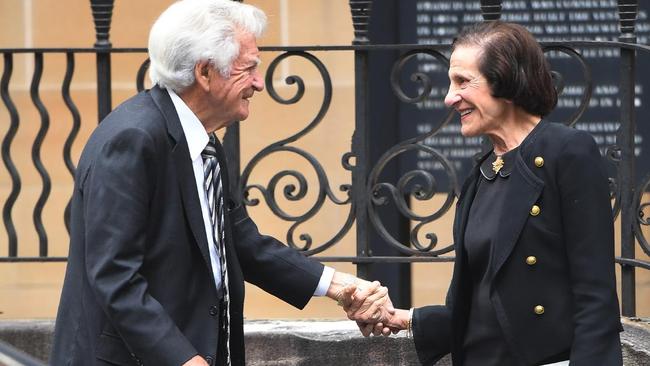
211 148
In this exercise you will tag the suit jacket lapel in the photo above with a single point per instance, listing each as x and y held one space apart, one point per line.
182 162
523 191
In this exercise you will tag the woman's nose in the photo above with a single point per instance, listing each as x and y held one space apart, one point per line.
452 98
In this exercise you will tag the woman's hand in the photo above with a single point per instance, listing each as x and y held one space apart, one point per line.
397 322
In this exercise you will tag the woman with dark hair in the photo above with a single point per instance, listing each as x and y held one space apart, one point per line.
533 281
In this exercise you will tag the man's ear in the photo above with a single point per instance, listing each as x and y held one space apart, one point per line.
202 74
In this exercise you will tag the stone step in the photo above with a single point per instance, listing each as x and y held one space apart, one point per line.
315 343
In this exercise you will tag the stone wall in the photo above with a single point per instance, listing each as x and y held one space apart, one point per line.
315 343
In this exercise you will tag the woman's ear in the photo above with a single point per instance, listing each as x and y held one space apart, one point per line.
202 74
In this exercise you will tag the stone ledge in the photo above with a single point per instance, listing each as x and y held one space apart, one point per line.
315 343
33 337
636 341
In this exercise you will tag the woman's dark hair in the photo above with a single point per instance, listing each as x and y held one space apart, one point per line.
513 63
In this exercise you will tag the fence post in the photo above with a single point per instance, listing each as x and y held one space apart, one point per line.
360 18
627 11
491 9
102 13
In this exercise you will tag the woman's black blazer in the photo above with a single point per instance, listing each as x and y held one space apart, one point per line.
572 277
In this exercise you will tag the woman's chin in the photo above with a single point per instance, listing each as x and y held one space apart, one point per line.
466 131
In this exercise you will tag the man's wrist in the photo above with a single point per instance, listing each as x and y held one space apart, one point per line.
339 282
325 281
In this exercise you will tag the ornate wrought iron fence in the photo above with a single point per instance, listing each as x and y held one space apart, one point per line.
366 192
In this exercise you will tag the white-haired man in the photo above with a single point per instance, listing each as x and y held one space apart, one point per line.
159 250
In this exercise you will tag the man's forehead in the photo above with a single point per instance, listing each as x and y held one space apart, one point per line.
250 59
250 54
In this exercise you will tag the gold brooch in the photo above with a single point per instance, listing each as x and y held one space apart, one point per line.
497 164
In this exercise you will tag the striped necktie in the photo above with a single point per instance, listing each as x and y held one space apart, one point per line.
214 191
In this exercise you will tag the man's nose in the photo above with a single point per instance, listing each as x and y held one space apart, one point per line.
258 82
452 98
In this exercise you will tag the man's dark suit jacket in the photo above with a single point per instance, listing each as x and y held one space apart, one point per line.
572 239
139 287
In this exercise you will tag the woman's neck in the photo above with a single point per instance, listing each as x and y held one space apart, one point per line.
512 132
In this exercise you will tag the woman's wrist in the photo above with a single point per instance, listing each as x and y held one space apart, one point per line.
399 320
409 328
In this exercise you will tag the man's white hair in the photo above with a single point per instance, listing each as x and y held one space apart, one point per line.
190 31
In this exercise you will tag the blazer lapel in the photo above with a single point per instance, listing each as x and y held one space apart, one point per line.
523 191
182 162
465 199
462 210
458 300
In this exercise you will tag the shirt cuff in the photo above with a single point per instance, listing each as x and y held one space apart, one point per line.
325 281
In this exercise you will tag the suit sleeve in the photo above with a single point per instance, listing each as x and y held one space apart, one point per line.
282 271
117 194
589 240
432 333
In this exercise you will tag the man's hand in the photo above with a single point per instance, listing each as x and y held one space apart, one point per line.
196 361
361 300
373 311
369 304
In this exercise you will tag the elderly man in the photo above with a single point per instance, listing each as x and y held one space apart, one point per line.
159 250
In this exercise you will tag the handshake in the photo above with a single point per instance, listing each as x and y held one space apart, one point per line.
369 305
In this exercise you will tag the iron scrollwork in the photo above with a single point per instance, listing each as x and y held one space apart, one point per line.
612 153
296 192
586 74
76 125
142 71
418 184
36 155
7 209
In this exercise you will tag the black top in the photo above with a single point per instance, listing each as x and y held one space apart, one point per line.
484 343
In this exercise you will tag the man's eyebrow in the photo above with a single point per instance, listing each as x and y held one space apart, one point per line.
253 61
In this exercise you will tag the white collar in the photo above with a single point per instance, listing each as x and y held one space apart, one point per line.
195 134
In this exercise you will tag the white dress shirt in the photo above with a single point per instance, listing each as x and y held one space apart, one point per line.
197 139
